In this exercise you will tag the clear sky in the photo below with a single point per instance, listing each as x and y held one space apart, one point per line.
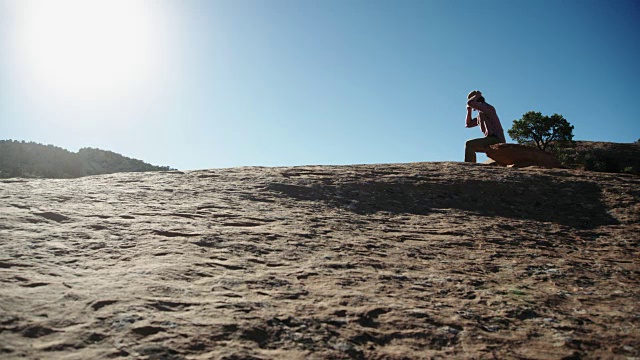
206 84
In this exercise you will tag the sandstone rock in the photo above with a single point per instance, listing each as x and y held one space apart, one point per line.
392 261
520 156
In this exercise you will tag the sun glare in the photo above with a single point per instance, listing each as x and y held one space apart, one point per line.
87 48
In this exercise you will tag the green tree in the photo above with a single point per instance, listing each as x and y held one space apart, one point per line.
541 130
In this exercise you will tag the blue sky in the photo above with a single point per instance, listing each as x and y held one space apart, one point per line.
214 84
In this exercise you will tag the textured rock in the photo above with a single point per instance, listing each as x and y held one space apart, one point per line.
521 156
392 261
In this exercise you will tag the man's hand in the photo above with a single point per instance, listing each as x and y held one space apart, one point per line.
469 108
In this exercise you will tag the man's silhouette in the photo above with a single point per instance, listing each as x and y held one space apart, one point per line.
489 124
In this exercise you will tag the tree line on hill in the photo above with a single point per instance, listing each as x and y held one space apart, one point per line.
34 160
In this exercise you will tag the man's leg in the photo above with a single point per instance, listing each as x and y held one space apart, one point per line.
477 145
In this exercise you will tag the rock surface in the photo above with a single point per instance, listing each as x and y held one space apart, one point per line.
521 156
405 261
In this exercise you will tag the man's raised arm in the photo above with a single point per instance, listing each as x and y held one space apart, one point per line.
470 122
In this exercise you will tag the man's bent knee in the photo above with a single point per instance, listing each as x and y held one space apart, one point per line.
474 145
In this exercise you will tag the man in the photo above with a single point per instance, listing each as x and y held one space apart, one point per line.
489 124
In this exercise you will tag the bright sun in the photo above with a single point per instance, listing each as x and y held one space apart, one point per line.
87 48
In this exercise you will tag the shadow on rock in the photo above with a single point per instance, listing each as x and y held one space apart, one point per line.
571 203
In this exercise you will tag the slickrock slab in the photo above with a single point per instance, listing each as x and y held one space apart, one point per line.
521 156
400 261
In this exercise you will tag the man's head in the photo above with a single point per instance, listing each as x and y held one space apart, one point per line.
480 98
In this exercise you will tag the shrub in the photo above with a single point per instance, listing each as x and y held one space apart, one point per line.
541 131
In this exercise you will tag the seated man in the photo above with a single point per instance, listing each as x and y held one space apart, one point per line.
489 124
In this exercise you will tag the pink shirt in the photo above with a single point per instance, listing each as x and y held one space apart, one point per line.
487 119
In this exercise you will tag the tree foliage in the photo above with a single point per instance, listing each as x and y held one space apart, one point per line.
541 130
30 159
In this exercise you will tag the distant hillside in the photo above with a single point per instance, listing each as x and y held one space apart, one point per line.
33 160
602 156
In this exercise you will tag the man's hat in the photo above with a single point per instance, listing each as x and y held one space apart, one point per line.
473 93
